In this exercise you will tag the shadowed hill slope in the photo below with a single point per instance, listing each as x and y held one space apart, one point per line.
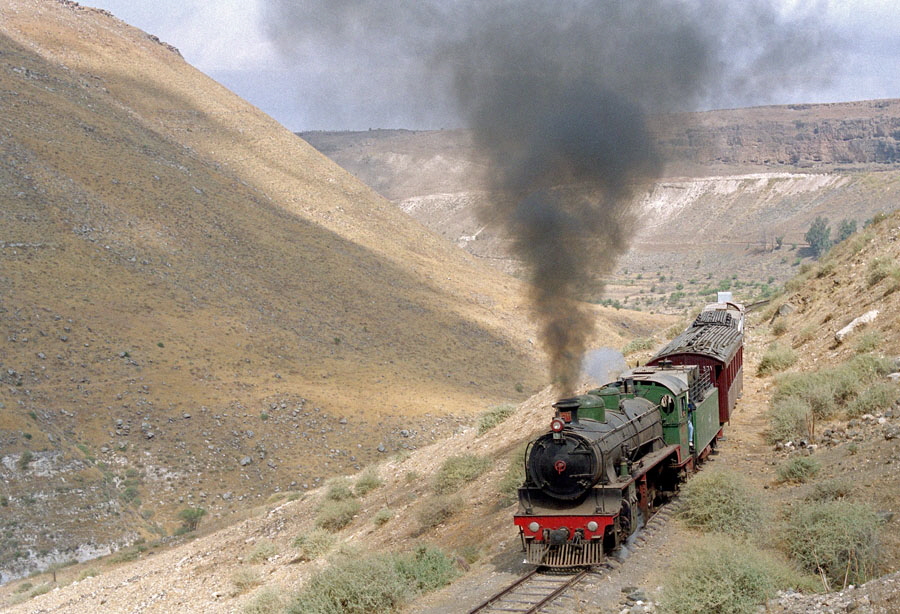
198 308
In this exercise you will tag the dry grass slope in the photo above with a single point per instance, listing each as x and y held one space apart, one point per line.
199 309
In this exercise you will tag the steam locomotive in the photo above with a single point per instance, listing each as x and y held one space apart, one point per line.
617 452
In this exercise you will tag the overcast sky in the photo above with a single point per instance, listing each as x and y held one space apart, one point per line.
312 64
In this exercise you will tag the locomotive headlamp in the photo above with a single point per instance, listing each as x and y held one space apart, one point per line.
557 425
533 527
592 526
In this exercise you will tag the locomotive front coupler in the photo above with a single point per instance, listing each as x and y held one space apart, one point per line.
557 537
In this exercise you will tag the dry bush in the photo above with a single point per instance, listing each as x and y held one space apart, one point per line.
438 509
458 471
798 469
267 600
245 579
335 515
790 418
640 344
377 583
835 388
338 489
873 398
881 268
368 481
514 476
777 358
382 516
725 576
722 501
830 490
262 550
779 327
314 544
493 417
837 539
867 342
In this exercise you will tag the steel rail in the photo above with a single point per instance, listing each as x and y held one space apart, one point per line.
526 606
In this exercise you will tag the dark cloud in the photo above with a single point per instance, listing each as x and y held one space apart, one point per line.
556 95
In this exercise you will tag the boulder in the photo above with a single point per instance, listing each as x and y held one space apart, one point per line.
865 318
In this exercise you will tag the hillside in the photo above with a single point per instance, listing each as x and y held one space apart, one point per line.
262 562
199 309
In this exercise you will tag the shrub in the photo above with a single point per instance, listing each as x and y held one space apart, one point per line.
639 345
190 517
830 490
262 550
724 576
838 539
314 544
130 494
881 268
674 330
438 509
335 515
721 501
470 553
868 342
376 583
266 601
43 589
338 489
382 516
493 417
828 390
88 573
458 470
779 327
874 397
789 418
858 242
25 459
777 358
806 334
245 579
426 568
798 469
367 482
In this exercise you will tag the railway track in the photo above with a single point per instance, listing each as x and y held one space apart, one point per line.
530 593
536 591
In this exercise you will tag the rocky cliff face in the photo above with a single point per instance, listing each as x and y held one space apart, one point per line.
856 134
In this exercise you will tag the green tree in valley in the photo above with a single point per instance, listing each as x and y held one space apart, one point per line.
845 229
819 236
191 517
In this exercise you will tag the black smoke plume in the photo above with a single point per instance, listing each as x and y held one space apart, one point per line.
557 96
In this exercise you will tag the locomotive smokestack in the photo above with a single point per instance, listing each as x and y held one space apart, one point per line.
567 409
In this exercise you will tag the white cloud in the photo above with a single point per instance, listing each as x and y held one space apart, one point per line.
213 36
